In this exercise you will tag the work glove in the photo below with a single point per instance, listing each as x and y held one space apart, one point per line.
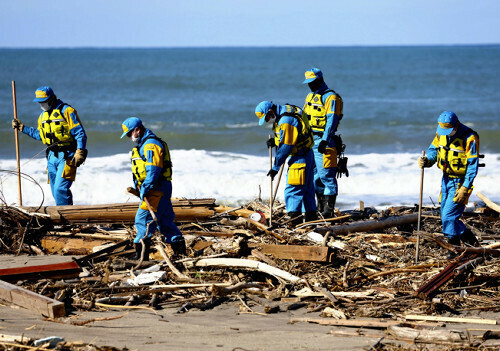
462 195
270 143
17 124
144 193
322 146
79 157
424 162
272 173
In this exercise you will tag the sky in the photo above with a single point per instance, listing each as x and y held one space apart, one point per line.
207 23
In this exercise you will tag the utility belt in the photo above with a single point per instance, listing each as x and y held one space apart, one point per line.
56 149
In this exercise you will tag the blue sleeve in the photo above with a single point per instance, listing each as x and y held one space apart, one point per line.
32 132
78 132
472 164
282 152
332 121
432 153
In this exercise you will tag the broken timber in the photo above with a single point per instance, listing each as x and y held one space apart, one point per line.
32 301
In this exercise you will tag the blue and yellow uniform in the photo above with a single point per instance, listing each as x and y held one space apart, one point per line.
456 154
152 172
61 130
293 138
324 110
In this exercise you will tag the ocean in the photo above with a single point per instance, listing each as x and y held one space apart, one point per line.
201 101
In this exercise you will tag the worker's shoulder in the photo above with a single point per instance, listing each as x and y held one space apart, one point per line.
288 119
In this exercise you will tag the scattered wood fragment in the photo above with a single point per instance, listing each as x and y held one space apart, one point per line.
488 202
412 317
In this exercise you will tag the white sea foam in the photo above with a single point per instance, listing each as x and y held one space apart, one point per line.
379 180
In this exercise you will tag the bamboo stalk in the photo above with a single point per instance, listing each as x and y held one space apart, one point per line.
16 132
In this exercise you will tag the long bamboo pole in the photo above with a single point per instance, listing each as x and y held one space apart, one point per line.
271 189
14 102
417 248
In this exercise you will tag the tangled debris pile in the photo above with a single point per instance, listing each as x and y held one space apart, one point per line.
328 267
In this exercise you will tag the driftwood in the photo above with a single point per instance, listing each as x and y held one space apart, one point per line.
243 263
488 202
367 226
357 323
185 211
412 317
296 252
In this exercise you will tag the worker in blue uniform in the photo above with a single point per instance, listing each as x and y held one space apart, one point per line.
323 107
455 149
59 128
152 174
292 137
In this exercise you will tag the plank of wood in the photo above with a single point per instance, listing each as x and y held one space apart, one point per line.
296 252
57 270
32 301
415 317
74 246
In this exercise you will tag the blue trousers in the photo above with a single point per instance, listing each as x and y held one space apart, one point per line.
325 180
451 211
145 225
58 185
300 197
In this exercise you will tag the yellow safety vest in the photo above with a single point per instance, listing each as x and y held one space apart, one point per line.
451 156
305 138
54 129
316 111
139 163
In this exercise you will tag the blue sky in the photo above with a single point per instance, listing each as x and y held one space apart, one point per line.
201 23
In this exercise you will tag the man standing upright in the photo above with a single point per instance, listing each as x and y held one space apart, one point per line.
455 148
61 130
292 137
323 108
152 173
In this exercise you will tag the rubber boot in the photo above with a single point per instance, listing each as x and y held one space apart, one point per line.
311 216
455 240
320 202
179 247
329 210
295 221
469 238
138 249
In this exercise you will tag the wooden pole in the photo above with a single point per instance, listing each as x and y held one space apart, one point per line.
17 144
271 197
278 182
417 248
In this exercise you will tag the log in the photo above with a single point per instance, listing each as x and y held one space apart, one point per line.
69 269
367 226
32 301
243 263
488 202
429 336
185 211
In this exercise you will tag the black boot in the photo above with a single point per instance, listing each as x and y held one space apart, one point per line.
179 247
320 202
311 216
138 250
469 238
455 241
295 217
329 210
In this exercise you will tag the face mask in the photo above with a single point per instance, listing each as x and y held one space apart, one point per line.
44 106
272 120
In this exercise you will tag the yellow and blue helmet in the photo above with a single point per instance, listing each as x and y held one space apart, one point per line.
130 124
42 94
312 74
446 122
261 111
